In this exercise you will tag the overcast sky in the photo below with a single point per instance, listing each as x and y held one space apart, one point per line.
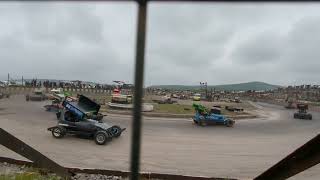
186 43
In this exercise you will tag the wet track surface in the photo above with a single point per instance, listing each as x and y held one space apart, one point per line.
169 145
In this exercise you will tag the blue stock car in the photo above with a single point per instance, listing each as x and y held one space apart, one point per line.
211 118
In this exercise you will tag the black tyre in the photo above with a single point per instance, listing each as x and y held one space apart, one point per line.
116 131
47 107
295 116
230 123
310 117
195 122
201 123
101 137
27 98
58 114
58 132
99 116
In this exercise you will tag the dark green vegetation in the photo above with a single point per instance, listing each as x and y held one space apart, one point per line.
256 86
173 108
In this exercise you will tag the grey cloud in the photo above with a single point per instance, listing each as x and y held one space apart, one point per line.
218 43
10 42
181 36
263 48
305 39
302 52
62 22
65 41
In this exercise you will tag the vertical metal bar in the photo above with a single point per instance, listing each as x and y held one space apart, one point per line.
138 92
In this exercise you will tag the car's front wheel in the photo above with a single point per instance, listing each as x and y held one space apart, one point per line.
58 115
58 132
201 122
101 137
116 131
230 123
194 121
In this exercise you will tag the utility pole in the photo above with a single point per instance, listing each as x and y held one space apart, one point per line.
8 79
22 81
205 86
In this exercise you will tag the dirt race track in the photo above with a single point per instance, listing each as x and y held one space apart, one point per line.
169 145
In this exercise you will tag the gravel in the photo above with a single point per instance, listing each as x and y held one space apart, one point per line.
7 169
82 176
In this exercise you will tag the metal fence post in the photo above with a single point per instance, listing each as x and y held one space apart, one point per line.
138 92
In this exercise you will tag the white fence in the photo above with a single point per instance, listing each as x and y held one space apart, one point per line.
26 90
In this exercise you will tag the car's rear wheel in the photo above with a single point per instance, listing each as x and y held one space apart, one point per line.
58 132
101 137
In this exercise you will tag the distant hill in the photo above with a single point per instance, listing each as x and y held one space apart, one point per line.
257 86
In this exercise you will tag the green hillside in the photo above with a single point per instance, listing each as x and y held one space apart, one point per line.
257 86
